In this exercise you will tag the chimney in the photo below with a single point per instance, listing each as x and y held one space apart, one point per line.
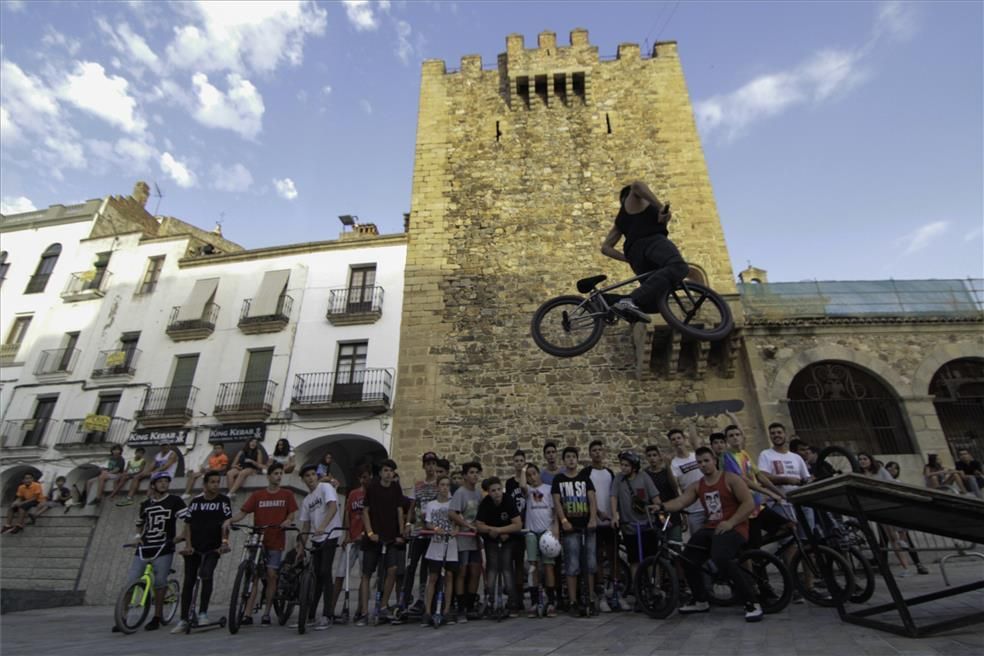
141 193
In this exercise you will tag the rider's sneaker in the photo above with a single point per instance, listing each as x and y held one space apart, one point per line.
627 309
425 619
695 607
361 620
128 501
574 610
603 605
753 613
551 610
180 627
265 620
323 624
417 608
153 624
246 621
203 619
922 569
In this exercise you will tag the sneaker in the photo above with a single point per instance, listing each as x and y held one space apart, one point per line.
361 620
124 502
905 573
265 620
695 607
323 624
94 501
513 613
532 612
753 613
7 529
417 608
797 597
627 309
203 619
425 619
180 627
603 605
551 610
153 624
922 569
246 621
460 618
574 611
449 620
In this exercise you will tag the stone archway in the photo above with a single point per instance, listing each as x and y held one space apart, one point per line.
348 450
11 478
958 397
922 379
779 388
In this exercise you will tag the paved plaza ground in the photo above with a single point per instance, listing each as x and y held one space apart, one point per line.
800 630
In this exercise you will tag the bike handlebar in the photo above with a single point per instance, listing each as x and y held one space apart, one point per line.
469 534
261 527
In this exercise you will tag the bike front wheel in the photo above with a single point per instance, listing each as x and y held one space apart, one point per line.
239 601
656 587
697 311
767 576
566 326
306 601
132 607
864 576
812 566
172 601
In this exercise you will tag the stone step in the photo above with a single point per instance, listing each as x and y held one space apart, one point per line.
56 519
38 584
29 562
36 542
47 531
53 573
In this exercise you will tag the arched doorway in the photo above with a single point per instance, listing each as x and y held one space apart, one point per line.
958 396
349 451
839 403
12 478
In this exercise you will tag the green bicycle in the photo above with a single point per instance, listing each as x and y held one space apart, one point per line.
133 604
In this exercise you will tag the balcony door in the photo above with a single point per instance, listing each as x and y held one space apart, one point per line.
106 408
255 381
362 282
184 376
350 371
42 415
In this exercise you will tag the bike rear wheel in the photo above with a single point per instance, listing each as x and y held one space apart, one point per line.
766 574
565 326
812 565
131 610
172 600
306 601
864 575
657 589
239 600
839 459
697 311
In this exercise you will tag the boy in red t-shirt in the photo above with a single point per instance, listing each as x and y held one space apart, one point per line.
275 507
352 523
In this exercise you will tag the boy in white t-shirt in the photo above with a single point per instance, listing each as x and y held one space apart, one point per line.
785 469
687 472
319 515
540 518
443 548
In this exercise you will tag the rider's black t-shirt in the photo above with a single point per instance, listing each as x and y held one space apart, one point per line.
206 518
515 492
156 524
637 227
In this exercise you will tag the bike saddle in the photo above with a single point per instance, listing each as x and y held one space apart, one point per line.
585 285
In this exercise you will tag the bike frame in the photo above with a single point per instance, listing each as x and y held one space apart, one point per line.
147 577
600 293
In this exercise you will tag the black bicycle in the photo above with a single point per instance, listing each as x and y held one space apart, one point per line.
566 326
252 567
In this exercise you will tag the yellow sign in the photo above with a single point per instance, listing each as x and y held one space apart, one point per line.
96 423
87 276
116 359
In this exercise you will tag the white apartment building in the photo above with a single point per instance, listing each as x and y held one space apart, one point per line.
119 327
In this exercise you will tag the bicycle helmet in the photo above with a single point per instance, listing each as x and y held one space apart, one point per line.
156 476
549 545
631 458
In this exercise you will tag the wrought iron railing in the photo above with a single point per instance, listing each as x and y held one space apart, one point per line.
281 313
56 361
354 300
329 387
75 431
95 280
118 362
210 314
872 425
245 396
26 432
174 401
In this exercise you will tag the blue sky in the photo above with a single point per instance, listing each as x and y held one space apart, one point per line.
844 140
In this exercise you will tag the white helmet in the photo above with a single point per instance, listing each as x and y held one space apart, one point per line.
549 545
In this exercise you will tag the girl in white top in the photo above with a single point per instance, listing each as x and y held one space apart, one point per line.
443 548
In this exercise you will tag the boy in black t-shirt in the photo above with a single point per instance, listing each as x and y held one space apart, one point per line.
158 515
518 495
577 512
206 536
497 520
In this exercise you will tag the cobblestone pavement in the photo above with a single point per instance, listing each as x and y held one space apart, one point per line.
800 630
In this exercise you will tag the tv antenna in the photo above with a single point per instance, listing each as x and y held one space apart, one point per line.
159 195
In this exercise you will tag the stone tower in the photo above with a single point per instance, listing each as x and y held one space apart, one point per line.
516 180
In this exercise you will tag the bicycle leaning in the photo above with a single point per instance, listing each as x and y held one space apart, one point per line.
570 325
133 604
252 566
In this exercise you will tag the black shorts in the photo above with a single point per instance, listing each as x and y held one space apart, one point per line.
396 556
28 505
434 566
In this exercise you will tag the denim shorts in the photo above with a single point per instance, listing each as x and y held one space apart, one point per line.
572 553
162 567
274 558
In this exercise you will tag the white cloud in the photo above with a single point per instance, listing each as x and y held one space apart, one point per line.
53 38
921 237
403 47
14 5
285 188
16 205
236 178
821 76
130 44
326 90
240 110
63 152
9 132
366 106
360 14
28 101
134 155
90 89
974 234
177 171
245 37
302 96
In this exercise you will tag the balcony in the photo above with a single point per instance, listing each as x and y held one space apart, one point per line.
181 330
167 406
76 434
245 401
354 305
86 285
266 323
111 364
56 362
26 432
8 354
334 392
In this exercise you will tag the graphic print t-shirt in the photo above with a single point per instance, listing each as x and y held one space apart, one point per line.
423 494
602 479
271 508
354 503
515 492
436 514
783 464
687 472
496 515
573 492
156 523
539 508
205 518
314 509
466 502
